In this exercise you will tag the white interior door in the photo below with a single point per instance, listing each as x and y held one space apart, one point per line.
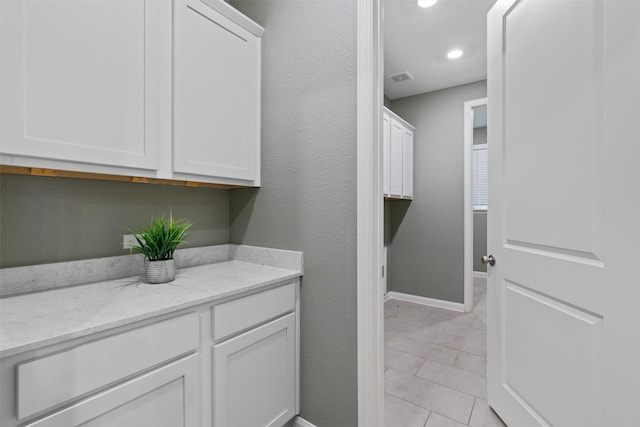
564 219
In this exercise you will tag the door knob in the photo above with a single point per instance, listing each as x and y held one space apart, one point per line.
488 259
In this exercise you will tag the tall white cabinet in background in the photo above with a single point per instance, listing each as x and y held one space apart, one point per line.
397 156
140 88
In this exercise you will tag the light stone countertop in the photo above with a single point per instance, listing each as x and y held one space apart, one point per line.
36 320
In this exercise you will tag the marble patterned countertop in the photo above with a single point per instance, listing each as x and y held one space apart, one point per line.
35 320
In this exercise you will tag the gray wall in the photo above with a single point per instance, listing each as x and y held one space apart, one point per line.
308 198
479 217
426 253
44 220
479 239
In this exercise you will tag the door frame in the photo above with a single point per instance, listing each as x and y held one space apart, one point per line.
370 217
468 202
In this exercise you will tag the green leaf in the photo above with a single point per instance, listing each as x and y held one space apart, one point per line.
159 240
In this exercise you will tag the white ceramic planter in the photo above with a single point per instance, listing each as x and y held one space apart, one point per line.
160 271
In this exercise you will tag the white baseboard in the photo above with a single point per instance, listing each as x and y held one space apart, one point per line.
448 305
480 274
387 296
301 422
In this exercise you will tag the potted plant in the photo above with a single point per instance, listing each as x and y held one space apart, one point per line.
157 242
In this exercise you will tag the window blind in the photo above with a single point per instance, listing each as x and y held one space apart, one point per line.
480 165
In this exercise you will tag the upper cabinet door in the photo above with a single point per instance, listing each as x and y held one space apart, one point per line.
386 148
79 83
395 159
407 164
216 96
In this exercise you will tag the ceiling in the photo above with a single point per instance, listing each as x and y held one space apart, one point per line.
417 40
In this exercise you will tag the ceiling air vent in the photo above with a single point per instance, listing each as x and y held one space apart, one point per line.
401 77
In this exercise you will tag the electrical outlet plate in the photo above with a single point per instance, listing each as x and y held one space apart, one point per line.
128 241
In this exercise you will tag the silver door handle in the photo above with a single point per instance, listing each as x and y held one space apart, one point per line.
488 260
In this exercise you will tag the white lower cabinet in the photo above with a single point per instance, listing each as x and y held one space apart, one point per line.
165 397
229 364
255 376
141 376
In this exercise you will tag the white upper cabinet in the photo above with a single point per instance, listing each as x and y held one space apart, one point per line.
216 95
79 82
397 156
143 88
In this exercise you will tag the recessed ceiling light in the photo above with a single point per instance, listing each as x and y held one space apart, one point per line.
454 54
426 3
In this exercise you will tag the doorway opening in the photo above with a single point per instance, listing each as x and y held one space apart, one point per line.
475 194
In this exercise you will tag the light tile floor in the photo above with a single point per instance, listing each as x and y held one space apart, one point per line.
436 365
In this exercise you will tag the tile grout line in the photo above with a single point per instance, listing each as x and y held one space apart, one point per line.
451 419
469 370
431 410
438 344
411 403
424 357
450 366
420 367
427 420
472 408
449 387
456 358
432 382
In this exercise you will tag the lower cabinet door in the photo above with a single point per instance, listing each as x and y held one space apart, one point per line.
165 397
254 376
